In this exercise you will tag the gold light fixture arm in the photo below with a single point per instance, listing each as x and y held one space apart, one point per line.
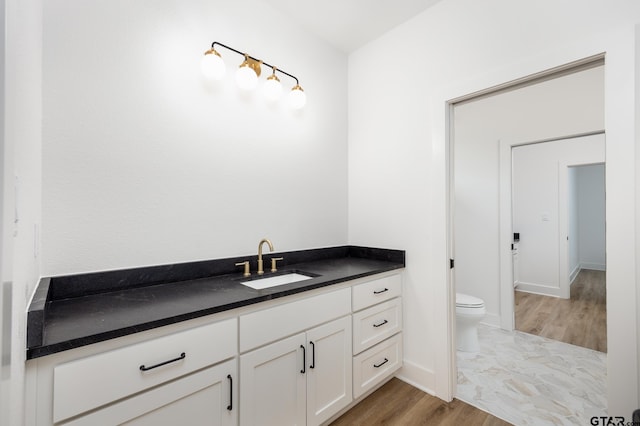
252 63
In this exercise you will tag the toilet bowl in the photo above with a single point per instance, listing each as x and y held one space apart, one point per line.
469 311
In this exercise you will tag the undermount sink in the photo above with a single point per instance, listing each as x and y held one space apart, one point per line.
268 282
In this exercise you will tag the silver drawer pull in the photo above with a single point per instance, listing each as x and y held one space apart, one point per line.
380 291
381 364
182 356
380 324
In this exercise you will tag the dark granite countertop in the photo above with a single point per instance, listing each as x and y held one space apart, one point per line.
78 310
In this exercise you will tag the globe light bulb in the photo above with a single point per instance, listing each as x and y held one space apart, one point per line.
246 78
297 97
272 88
212 65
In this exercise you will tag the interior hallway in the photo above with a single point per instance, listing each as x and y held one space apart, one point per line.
580 320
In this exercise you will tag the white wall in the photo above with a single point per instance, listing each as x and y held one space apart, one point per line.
21 157
398 152
536 208
144 163
591 216
566 105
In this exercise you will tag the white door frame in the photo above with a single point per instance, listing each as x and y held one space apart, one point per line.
446 383
623 372
5 323
507 314
507 317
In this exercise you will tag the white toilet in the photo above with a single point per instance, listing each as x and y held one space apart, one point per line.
469 311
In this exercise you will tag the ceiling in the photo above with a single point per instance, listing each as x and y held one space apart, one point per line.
349 24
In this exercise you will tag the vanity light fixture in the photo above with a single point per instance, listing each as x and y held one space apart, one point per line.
213 67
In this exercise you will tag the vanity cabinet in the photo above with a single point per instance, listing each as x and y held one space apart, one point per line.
301 379
141 380
299 360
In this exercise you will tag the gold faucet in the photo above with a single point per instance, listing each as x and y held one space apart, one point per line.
262 241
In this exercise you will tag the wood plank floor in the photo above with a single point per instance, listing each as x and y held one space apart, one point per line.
580 320
399 404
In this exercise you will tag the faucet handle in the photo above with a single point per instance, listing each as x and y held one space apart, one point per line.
247 272
273 263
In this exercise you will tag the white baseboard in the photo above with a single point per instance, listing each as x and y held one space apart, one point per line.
539 289
417 376
492 320
593 266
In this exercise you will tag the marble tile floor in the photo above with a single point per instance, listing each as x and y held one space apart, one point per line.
531 380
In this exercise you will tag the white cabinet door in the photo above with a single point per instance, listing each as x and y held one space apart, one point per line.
329 365
207 397
273 384
303 379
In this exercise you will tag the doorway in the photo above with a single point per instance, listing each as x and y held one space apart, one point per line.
558 199
485 130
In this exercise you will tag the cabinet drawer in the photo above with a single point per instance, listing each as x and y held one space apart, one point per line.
376 364
206 397
269 325
91 382
376 323
376 291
